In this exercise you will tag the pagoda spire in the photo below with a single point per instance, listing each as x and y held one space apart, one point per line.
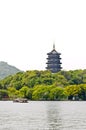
53 46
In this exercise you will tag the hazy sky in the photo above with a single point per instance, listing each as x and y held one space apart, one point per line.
28 29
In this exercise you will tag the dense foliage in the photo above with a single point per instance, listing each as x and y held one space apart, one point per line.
44 85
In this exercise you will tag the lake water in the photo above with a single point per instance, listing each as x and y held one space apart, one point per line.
43 115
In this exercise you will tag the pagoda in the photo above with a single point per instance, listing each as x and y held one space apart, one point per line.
53 61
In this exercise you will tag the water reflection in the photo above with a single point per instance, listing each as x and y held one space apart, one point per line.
43 116
53 115
66 115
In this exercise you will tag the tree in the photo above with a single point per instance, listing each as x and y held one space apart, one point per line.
82 94
72 91
3 93
57 93
40 92
23 91
60 80
29 94
12 92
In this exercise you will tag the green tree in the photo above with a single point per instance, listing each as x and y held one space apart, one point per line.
12 92
82 94
72 91
60 80
23 91
57 93
40 92
3 93
29 94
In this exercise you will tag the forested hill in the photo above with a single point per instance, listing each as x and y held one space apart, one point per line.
6 69
43 85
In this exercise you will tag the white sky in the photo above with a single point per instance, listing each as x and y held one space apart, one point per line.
28 29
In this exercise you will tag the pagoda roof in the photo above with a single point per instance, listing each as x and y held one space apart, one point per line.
54 52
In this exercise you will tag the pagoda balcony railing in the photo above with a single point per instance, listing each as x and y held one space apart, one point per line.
53 54
54 62
49 58
52 66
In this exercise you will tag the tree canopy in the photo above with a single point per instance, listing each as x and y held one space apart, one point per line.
44 85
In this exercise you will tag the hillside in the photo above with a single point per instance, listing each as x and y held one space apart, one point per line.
44 85
6 69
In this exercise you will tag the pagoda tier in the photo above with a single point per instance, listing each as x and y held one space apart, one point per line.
53 61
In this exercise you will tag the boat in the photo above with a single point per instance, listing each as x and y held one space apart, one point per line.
21 100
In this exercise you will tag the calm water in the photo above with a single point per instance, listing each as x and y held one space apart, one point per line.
43 115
